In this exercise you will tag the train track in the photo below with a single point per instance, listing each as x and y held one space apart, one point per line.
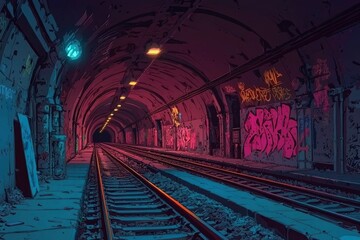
345 211
131 207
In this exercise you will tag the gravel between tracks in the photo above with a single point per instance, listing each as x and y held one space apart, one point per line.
231 224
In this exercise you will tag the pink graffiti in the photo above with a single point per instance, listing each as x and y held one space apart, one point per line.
321 99
302 140
229 89
321 72
186 138
269 130
169 137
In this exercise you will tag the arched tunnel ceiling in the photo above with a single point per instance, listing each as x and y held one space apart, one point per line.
200 40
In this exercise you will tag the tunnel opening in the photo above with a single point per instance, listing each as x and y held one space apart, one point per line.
104 136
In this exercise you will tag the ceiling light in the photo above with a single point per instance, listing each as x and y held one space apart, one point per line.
119 105
153 50
111 114
109 118
132 83
122 97
73 49
115 109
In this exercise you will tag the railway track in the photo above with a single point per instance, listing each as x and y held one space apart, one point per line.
345 211
125 205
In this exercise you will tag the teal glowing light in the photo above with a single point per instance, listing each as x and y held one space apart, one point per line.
73 49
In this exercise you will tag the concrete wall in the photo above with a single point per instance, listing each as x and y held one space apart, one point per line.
22 46
16 66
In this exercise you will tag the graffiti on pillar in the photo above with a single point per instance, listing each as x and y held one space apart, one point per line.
321 74
353 132
175 116
169 136
273 91
187 137
27 69
7 92
269 130
304 134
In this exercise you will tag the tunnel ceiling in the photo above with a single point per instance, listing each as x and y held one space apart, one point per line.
200 41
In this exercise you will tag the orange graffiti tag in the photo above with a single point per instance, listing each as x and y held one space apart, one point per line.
271 77
273 91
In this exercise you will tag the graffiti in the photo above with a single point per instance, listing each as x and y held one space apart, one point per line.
186 137
175 116
229 89
7 92
28 65
271 77
255 94
353 143
274 90
169 136
321 74
321 100
270 130
302 141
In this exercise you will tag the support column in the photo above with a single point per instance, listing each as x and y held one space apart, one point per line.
222 127
338 116
43 138
58 143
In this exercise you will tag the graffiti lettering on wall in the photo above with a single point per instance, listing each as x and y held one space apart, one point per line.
270 130
175 115
321 74
186 137
274 90
7 92
169 136
229 89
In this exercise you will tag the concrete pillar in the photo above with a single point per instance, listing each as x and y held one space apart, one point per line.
43 138
58 143
222 127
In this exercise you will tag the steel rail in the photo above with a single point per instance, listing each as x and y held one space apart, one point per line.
106 223
201 225
299 189
331 215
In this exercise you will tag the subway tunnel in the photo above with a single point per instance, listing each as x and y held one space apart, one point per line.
270 84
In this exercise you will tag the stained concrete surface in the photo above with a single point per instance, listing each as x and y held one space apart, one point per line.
54 212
